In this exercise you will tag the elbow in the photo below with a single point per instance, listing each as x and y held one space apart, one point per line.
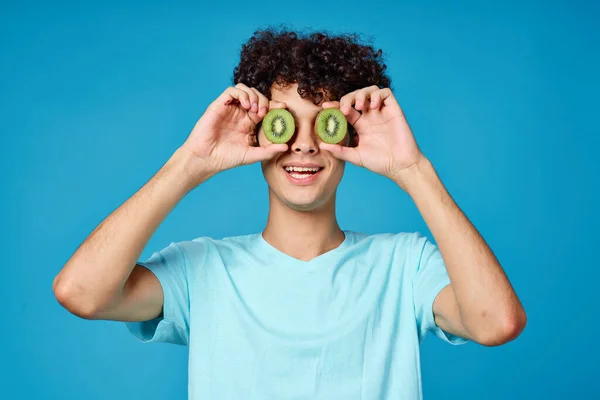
72 297
505 330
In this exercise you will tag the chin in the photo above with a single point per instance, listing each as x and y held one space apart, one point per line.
302 186
304 205
301 198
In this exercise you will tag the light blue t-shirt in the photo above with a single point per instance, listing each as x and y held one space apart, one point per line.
263 325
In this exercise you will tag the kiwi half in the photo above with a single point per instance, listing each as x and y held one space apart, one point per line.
278 125
331 125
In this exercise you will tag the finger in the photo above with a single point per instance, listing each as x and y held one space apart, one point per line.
263 103
368 92
346 102
256 154
330 104
353 116
342 152
360 99
276 104
251 95
387 95
375 100
242 97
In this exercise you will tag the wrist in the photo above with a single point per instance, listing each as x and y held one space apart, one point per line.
412 179
187 169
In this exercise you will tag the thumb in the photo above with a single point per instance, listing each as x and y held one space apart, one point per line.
256 154
342 152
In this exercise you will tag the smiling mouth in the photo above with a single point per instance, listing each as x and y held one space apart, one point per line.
302 172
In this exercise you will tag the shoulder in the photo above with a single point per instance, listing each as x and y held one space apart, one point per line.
399 248
203 247
397 240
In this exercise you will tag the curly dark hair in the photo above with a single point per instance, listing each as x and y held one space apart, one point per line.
324 66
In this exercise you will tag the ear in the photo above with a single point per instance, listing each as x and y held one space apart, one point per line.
253 140
256 135
353 138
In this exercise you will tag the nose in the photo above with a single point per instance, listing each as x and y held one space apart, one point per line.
304 142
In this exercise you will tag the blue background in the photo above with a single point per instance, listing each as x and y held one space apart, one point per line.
502 97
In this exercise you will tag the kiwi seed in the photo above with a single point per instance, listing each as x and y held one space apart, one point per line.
331 125
279 125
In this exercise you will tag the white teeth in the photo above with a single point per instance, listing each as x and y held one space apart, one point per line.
300 176
302 169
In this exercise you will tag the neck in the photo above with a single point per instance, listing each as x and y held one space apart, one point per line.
303 235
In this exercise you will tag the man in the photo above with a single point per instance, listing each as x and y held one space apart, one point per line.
303 309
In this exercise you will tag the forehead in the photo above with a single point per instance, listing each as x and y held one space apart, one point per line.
296 104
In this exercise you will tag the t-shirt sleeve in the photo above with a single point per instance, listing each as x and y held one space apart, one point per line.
430 278
172 326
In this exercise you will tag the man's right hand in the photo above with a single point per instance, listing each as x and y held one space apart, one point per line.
102 279
224 137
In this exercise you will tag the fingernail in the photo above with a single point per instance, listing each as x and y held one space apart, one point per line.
254 107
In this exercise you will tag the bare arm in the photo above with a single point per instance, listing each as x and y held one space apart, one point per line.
101 279
480 303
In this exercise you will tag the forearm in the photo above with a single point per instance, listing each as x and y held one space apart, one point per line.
484 295
98 270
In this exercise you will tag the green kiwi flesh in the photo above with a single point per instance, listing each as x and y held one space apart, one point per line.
331 125
278 125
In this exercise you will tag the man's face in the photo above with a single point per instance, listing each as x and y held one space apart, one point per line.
301 190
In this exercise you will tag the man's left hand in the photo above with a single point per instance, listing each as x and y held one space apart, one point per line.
386 144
